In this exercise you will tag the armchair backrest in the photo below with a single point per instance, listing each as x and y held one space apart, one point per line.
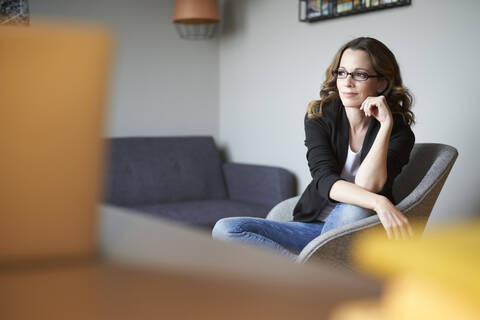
421 180
427 160
154 170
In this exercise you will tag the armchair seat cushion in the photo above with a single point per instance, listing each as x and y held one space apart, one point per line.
203 213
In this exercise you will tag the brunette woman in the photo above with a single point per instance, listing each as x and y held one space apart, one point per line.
358 138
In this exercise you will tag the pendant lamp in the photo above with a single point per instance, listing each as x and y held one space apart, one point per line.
196 19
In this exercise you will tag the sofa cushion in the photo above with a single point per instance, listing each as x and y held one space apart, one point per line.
152 170
204 213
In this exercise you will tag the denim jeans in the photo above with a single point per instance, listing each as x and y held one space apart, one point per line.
286 238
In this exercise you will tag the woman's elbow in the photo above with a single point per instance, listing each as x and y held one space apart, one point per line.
371 185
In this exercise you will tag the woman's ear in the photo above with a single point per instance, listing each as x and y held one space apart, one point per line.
382 85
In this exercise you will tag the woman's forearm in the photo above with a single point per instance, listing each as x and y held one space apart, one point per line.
372 173
395 223
351 193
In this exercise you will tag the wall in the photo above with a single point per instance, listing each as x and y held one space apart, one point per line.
271 66
161 84
249 89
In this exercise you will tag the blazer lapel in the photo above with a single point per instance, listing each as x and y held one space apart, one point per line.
343 126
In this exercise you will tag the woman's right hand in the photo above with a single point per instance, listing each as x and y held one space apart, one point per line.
395 223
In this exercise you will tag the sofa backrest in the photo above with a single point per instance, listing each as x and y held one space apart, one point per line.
153 170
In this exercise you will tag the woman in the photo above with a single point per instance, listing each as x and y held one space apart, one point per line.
358 138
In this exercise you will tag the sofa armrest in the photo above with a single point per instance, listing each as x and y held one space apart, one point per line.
258 184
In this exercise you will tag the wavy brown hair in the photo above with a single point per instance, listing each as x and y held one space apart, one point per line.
384 63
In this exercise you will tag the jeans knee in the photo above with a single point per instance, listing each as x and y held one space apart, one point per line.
223 228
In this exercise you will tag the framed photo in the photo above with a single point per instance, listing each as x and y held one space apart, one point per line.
14 12
317 10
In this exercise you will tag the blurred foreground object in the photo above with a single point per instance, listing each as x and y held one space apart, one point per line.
54 82
437 277
156 269
14 12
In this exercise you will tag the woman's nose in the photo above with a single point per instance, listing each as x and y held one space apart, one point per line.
349 80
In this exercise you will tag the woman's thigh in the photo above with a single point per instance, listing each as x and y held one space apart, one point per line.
290 235
345 214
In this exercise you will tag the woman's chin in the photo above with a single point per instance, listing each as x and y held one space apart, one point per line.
351 104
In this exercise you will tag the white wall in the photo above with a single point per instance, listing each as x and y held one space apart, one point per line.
161 84
250 88
271 66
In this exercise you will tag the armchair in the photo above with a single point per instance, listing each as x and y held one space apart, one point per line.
415 192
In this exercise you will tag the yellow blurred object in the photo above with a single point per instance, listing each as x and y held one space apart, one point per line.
367 309
413 297
53 92
437 277
410 297
450 255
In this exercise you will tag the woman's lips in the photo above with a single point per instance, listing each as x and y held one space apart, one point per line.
349 94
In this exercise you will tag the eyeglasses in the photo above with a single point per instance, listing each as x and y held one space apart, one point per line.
356 75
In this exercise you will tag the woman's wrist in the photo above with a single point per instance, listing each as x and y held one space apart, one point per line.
378 201
386 125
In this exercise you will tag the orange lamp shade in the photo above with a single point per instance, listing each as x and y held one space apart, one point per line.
196 12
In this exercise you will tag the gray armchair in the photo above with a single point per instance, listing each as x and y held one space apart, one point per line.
415 191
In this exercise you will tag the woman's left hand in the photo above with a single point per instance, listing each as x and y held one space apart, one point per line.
378 108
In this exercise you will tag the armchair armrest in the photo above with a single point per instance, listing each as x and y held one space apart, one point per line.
335 245
283 211
264 185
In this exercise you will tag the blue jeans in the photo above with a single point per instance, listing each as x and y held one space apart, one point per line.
286 238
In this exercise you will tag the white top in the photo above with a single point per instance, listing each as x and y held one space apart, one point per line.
348 173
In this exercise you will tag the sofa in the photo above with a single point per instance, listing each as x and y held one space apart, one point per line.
184 179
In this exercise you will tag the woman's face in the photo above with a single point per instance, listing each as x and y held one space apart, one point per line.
353 92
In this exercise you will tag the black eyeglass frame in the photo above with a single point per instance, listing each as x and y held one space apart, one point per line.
335 74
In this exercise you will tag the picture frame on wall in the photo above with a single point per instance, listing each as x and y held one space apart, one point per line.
317 10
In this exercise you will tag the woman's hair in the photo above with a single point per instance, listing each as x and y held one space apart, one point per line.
384 63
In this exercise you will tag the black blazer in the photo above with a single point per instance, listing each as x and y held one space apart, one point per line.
326 139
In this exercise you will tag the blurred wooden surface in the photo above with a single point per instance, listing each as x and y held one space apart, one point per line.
103 291
186 276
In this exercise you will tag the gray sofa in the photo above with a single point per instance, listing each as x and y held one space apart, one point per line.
184 179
